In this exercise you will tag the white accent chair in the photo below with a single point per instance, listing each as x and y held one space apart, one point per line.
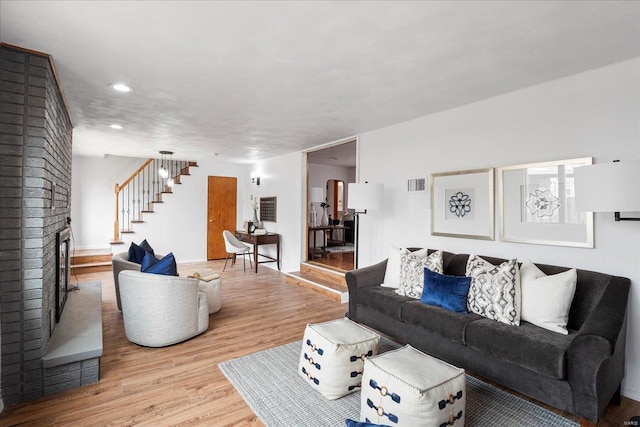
161 310
235 247
120 262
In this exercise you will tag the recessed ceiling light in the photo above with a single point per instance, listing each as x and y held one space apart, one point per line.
120 87
116 126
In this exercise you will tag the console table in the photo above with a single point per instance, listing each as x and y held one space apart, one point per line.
261 239
324 229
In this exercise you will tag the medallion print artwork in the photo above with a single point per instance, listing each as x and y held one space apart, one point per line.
459 203
542 203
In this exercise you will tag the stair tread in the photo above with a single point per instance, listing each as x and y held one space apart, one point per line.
91 264
322 272
327 283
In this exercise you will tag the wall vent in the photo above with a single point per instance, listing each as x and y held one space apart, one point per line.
416 185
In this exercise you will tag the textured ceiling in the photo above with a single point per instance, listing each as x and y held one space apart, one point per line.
254 80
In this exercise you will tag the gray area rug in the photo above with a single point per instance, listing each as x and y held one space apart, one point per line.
269 382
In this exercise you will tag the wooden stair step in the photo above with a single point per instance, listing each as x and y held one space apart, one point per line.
147 211
126 231
91 267
136 221
325 273
324 287
91 260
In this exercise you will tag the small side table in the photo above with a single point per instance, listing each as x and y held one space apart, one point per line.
210 284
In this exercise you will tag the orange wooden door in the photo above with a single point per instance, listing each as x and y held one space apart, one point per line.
221 213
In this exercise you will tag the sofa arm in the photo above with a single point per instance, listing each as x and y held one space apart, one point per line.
607 317
595 358
372 275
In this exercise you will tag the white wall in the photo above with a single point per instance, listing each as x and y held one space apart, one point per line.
283 177
93 197
591 114
179 225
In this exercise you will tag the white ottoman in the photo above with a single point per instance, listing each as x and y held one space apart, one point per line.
213 291
333 354
406 387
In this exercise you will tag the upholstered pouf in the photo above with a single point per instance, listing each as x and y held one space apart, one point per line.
406 387
213 292
333 355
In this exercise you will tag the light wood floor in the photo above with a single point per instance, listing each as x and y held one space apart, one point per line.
181 384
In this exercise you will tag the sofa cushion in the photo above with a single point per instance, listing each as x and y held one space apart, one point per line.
527 345
437 320
448 292
382 299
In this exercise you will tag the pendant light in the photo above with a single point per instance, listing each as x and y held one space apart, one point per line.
163 171
170 180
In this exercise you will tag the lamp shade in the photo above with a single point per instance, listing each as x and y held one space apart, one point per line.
316 195
365 196
608 187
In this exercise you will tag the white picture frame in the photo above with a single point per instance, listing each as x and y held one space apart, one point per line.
537 204
462 204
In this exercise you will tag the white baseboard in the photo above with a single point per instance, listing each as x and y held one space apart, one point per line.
631 392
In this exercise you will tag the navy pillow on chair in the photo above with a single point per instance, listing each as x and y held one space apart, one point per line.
352 423
448 292
166 266
136 253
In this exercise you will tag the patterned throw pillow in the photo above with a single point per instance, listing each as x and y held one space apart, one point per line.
495 290
412 271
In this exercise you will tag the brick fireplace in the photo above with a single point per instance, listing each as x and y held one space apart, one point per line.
35 190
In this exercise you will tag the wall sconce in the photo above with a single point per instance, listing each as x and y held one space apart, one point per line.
363 196
609 187
255 178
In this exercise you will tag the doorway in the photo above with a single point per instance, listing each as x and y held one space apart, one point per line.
330 170
221 213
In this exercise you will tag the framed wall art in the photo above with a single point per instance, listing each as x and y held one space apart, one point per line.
462 204
537 204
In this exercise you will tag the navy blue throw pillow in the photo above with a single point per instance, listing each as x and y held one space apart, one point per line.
448 292
166 265
136 253
352 423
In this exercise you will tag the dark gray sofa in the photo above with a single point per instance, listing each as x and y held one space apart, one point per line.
579 373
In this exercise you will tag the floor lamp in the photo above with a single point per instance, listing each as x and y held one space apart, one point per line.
363 196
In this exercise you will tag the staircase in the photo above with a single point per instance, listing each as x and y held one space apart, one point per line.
138 194
90 261
322 279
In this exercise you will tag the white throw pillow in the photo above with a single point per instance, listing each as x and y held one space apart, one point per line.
412 265
546 300
392 275
495 290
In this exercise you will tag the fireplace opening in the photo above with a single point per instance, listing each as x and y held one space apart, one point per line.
63 269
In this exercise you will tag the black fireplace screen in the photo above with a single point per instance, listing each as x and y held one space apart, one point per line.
63 274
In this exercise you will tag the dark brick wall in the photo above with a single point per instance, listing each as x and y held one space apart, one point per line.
35 154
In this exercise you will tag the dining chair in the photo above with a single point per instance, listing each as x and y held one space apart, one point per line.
235 247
